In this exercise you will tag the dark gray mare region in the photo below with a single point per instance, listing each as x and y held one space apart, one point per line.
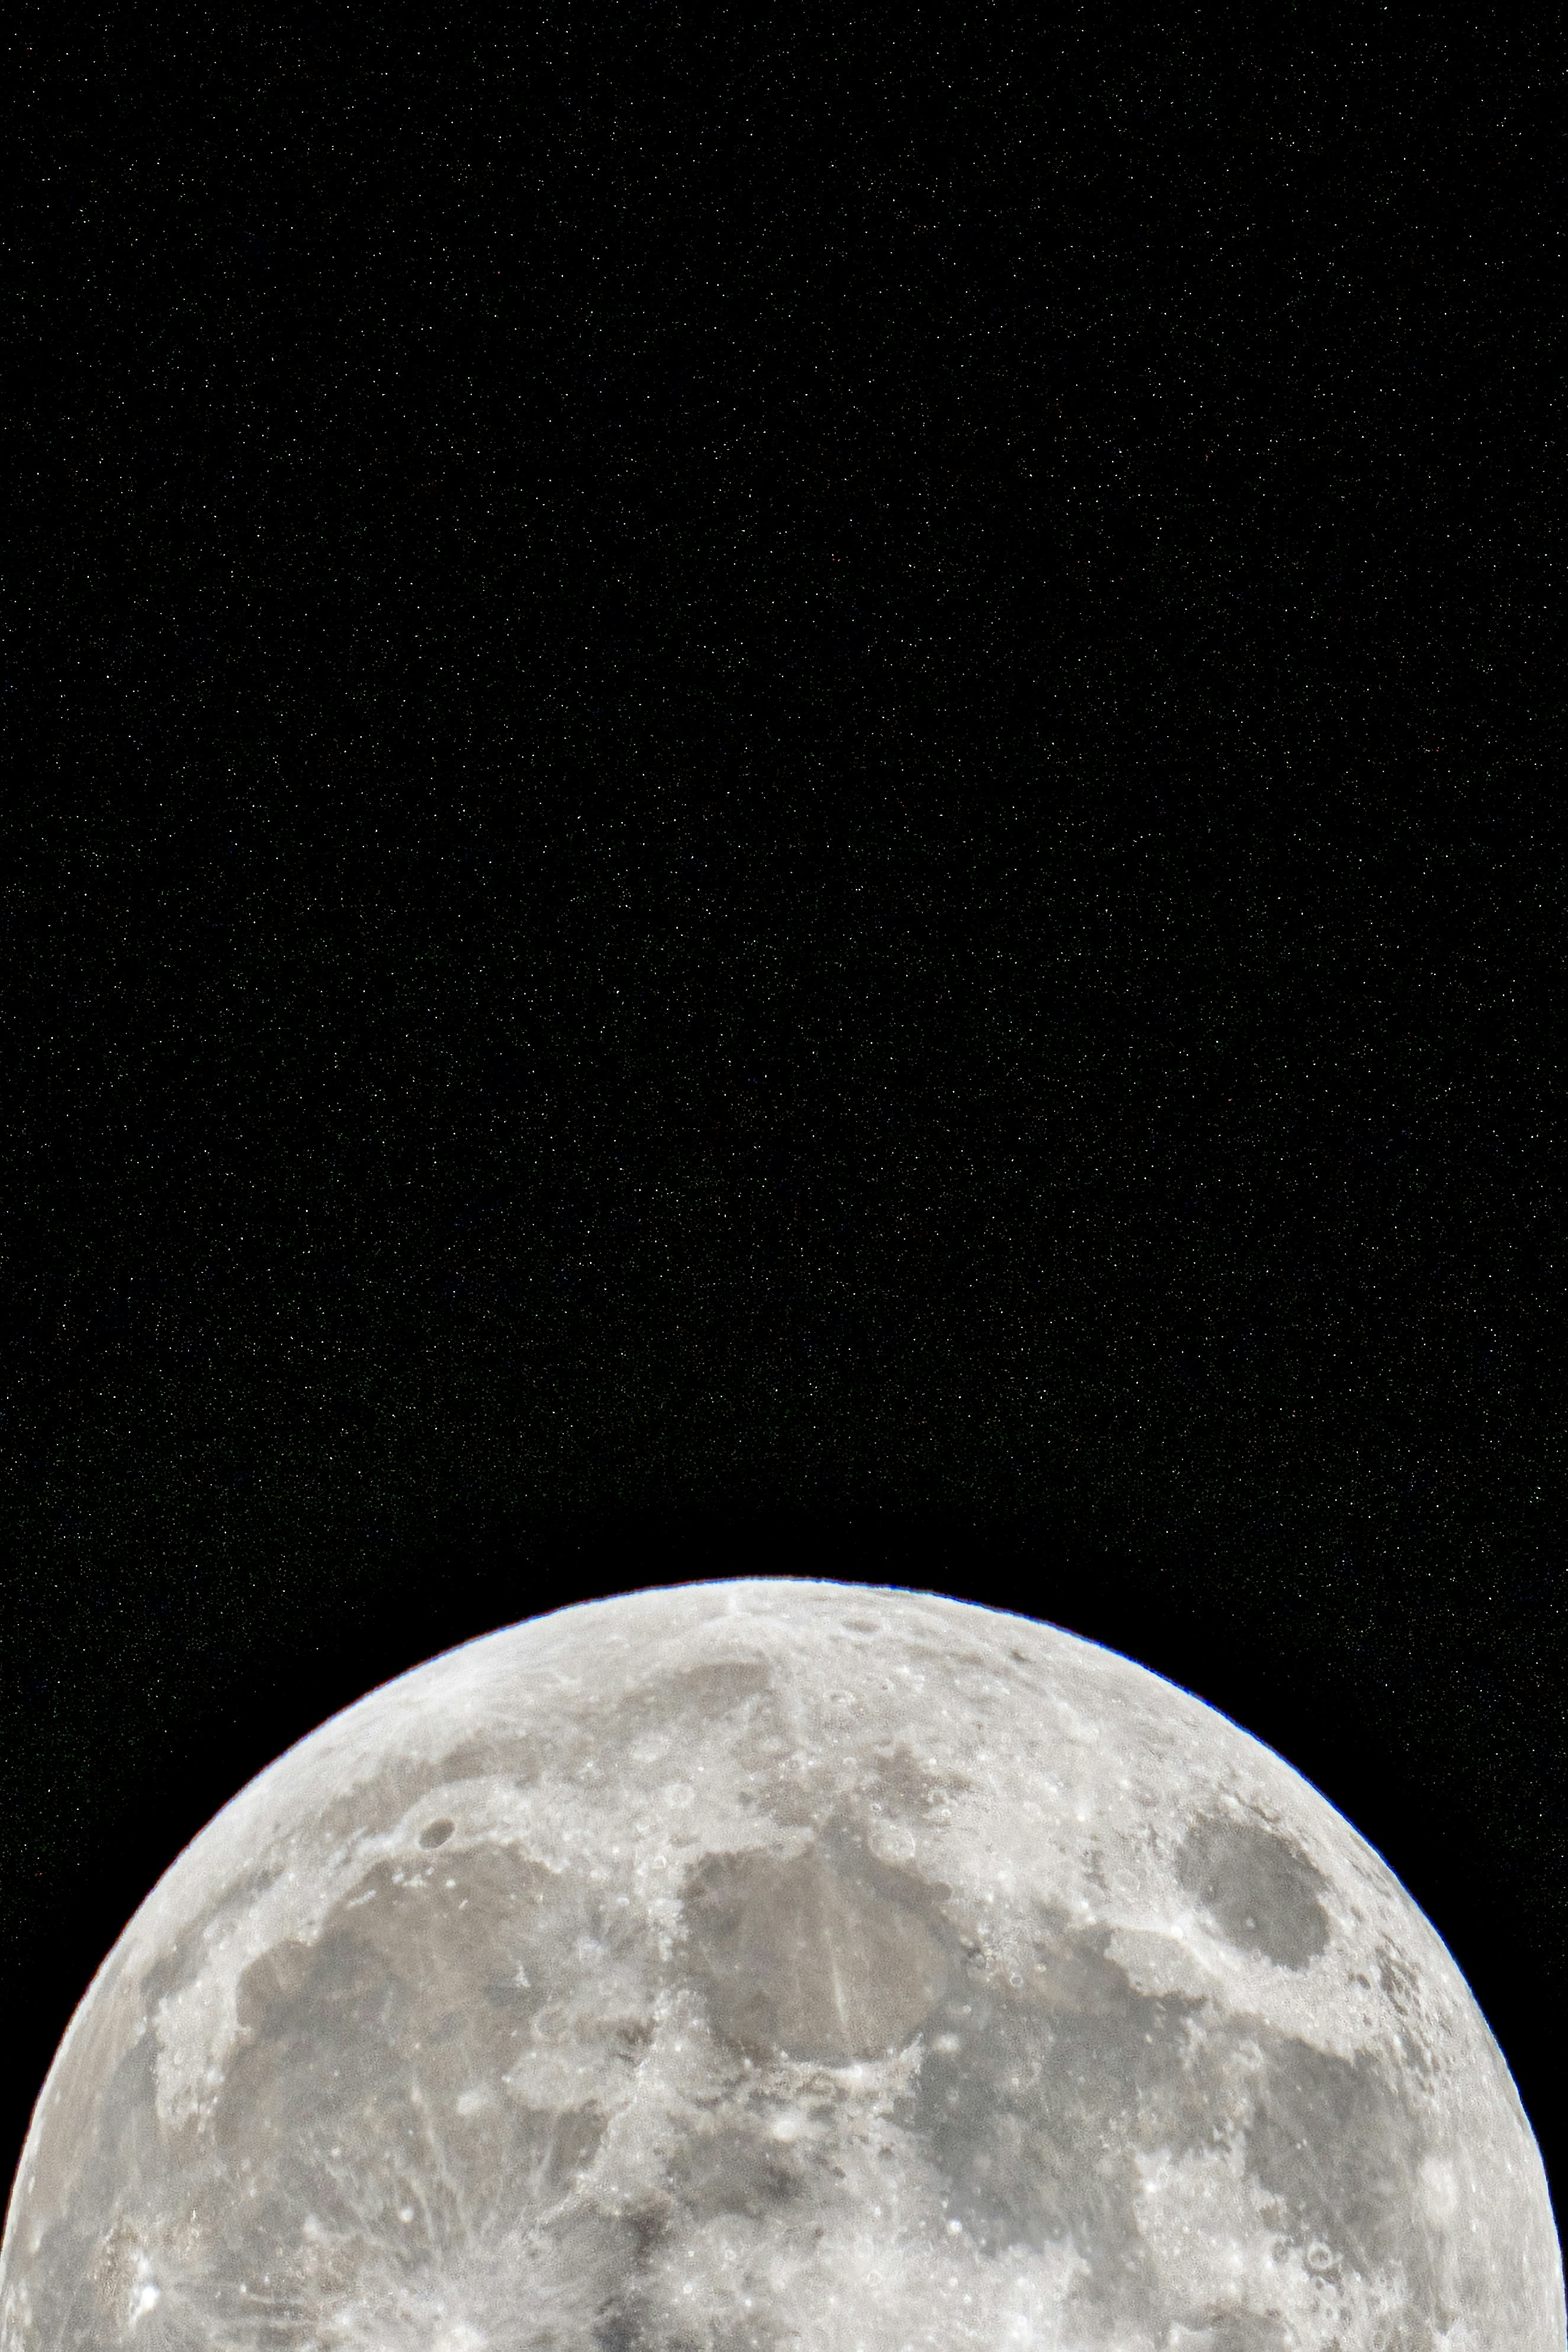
1259 1890
351 2137
1035 2100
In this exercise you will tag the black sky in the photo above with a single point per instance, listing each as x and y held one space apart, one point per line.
780 797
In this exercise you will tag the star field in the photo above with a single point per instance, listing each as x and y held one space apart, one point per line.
782 787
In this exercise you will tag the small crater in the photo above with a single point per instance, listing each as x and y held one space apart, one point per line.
435 1833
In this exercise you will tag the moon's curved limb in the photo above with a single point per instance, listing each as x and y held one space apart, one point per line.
774 1964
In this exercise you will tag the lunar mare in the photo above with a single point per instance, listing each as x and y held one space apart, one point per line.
771 1965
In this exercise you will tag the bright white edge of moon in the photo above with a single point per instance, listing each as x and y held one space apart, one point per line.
764 1965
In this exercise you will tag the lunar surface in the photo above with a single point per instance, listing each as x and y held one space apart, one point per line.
775 1965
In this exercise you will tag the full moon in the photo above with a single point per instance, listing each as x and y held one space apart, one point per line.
767 1965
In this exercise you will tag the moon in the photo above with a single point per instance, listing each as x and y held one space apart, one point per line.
766 1965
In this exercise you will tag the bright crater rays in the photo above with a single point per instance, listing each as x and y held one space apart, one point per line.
753 1966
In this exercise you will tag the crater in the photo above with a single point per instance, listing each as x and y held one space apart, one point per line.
435 1833
1260 1890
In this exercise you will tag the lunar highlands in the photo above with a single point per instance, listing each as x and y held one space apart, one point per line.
768 1965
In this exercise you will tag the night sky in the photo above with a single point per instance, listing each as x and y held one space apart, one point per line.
780 798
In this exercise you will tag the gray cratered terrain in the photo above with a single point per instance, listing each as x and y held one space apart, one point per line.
764 1965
